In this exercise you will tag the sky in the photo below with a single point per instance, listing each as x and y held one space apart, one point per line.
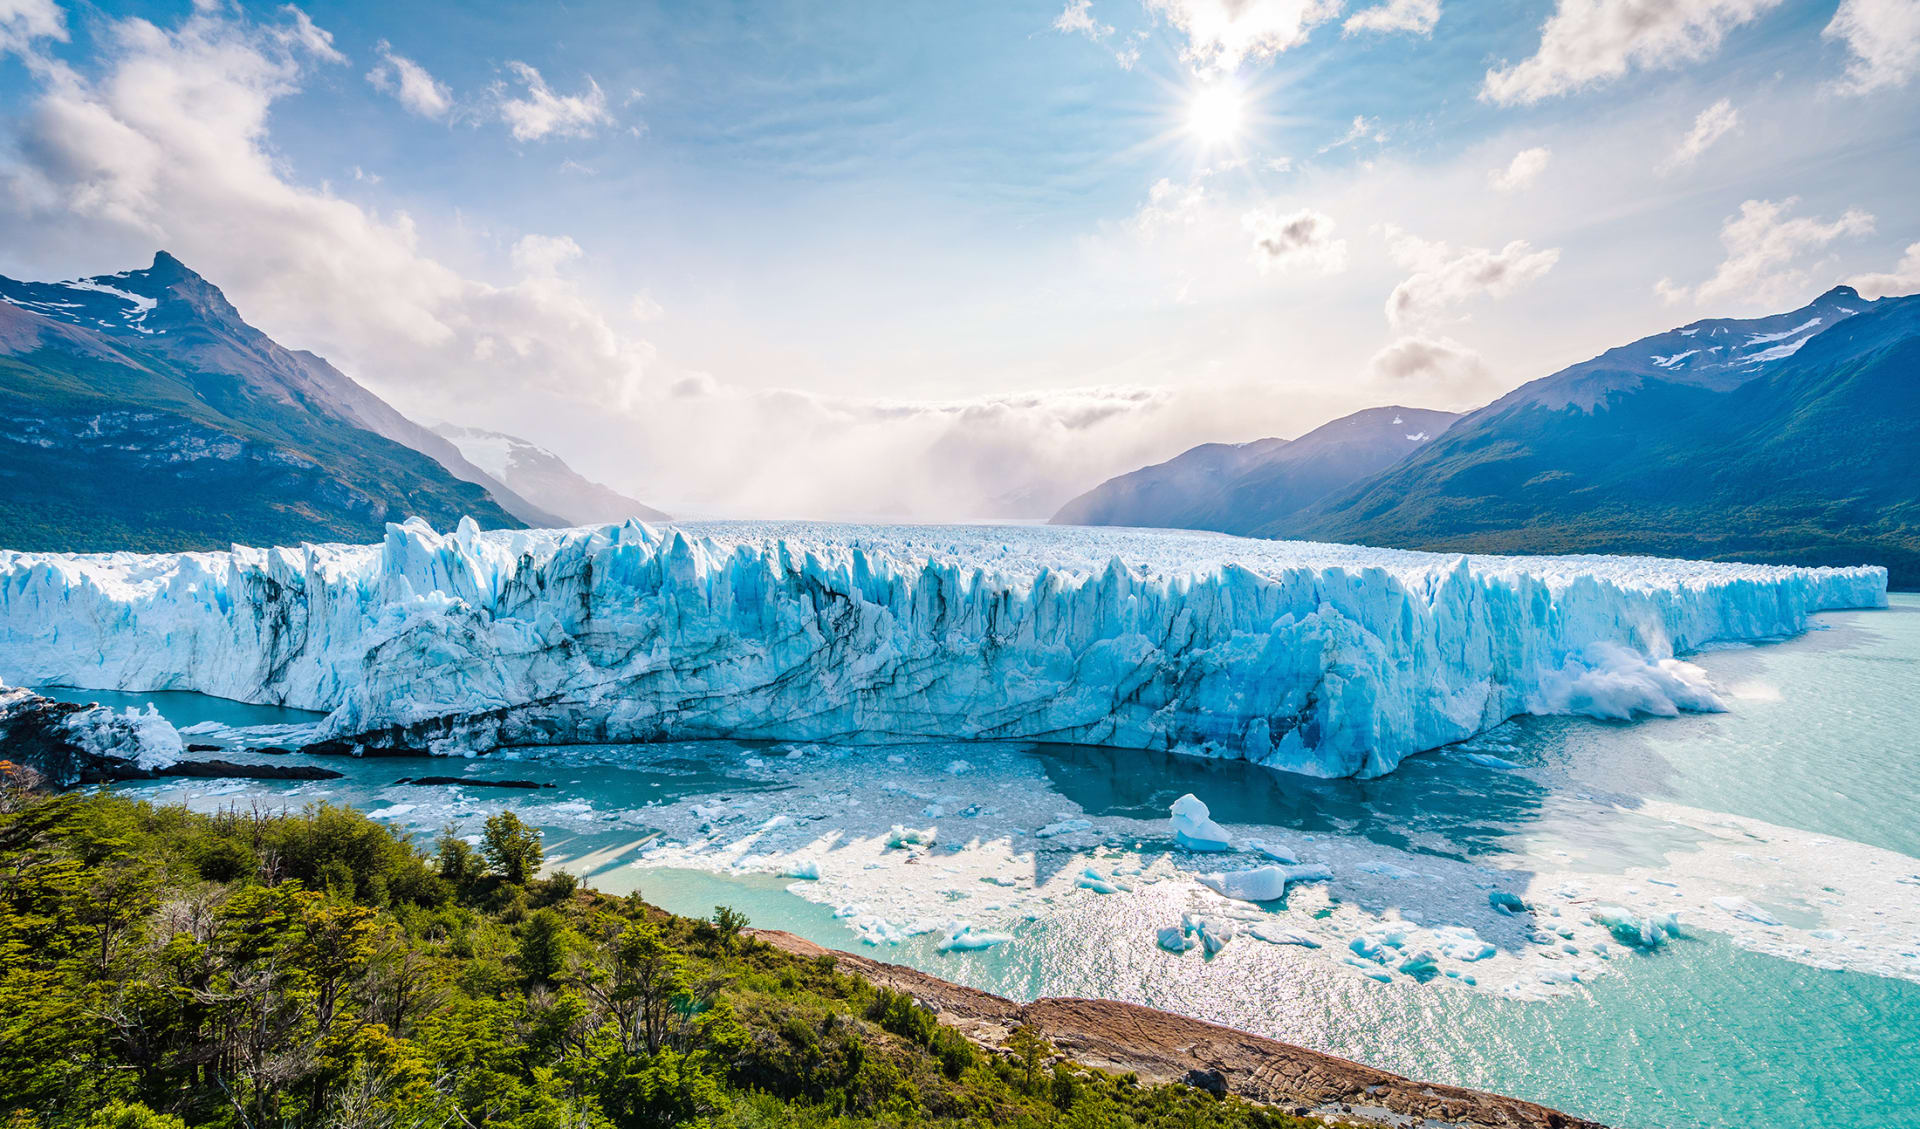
950 261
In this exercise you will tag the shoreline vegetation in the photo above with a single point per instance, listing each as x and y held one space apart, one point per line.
161 968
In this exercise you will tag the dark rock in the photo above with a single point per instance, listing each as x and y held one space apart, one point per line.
1212 1081
429 781
232 770
204 748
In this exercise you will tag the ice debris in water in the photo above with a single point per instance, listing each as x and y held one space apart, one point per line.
1274 851
1091 879
1262 883
802 868
1745 910
1506 903
1210 934
901 836
1194 830
1280 935
1140 639
1646 933
967 939
1063 827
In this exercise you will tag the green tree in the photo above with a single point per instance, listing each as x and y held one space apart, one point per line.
728 922
1030 1050
544 940
512 848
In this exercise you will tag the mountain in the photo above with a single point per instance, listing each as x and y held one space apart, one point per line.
543 478
1790 438
140 411
1250 487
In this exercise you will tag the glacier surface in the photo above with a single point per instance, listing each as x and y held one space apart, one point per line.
1322 659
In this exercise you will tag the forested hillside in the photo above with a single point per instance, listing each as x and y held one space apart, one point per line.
160 968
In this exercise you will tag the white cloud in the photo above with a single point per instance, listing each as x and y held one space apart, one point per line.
1586 42
1764 247
543 255
168 147
1077 17
1362 129
1303 238
1437 360
540 113
24 21
1903 279
1522 171
1221 34
1443 277
1884 38
1170 205
1417 16
1713 123
409 82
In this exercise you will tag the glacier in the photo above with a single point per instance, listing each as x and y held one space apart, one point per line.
1328 660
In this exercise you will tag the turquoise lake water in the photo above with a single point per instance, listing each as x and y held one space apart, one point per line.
1796 808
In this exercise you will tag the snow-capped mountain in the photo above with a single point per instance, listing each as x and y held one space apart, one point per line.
1249 487
169 310
1787 438
544 478
139 410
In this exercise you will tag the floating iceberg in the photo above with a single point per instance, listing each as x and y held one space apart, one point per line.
1262 883
1323 659
1194 828
1636 932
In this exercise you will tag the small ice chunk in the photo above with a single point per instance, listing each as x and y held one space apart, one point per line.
1213 933
1091 879
1422 966
1388 870
1194 829
1277 935
1274 851
1174 939
1261 884
1634 932
1370 971
1746 911
1506 903
1457 942
1488 760
967 939
802 868
958 767
902 836
1063 827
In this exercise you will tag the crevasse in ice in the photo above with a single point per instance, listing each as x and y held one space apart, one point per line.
1324 659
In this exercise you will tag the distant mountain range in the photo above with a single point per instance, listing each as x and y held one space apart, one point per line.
1256 487
541 477
140 411
1789 438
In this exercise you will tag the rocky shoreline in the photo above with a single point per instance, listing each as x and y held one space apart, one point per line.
1159 1046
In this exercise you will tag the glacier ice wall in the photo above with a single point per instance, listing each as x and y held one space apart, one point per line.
1324 659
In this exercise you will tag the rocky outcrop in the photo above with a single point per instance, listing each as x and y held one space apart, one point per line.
1162 1047
68 743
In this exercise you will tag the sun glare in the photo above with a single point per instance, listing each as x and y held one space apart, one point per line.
1214 115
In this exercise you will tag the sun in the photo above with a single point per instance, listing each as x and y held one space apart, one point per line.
1214 115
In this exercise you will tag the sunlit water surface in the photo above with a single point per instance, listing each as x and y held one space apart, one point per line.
1800 799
